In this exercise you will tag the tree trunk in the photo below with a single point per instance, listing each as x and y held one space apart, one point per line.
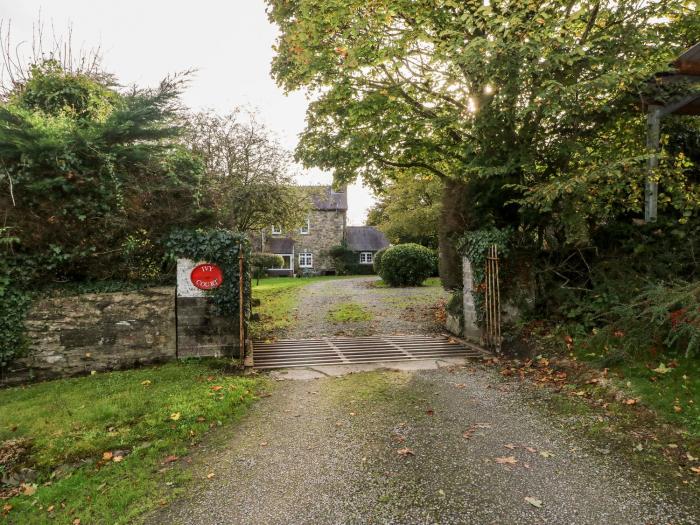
453 224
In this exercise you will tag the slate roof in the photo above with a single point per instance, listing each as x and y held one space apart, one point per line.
324 198
365 239
280 245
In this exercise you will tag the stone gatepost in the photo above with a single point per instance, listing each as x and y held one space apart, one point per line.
201 330
472 331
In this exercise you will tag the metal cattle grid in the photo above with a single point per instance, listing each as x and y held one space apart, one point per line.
356 350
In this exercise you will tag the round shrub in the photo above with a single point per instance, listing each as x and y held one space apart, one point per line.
407 264
377 261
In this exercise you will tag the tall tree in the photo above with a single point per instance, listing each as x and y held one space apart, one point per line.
408 209
517 99
248 184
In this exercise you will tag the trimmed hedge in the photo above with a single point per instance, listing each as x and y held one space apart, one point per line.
377 261
407 264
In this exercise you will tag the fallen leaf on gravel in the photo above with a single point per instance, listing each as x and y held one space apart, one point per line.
175 416
263 443
510 446
526 465
530 449
405 452
338 423
534 501
210 475
352 413
468 433
170 459
430 412
482 425
506 460
546 454
461 385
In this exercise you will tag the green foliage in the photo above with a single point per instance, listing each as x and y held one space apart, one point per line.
249 185
407 264
408 209
261 262
97 179
377 261
664 317
474 246
221 247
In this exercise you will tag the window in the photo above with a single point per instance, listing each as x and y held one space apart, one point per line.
366 257
277 230
306 260
304 230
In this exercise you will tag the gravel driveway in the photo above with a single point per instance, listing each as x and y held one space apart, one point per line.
329 451
392 310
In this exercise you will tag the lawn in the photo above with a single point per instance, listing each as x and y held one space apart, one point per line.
106 447
278 298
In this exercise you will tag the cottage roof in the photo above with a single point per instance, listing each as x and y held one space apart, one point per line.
324 198
280 245
365 238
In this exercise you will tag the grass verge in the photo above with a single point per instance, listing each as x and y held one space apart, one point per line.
348 313
76 430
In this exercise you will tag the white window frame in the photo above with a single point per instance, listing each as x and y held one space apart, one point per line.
306 260
277 230
304 230
366 257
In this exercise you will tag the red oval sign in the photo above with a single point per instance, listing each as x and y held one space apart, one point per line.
207 276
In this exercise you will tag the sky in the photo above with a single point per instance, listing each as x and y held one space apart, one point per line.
228 42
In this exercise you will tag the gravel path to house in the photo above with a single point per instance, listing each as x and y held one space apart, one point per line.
392 310
329 451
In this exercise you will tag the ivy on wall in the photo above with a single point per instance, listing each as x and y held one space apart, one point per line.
474 245
220 247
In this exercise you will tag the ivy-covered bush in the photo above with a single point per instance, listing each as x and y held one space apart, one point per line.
407 264
377 261
261 262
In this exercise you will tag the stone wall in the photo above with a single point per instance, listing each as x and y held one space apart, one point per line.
92 332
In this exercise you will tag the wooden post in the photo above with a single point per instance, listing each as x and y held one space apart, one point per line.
651 187
241 304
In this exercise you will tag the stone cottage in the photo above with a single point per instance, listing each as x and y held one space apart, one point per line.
305 249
